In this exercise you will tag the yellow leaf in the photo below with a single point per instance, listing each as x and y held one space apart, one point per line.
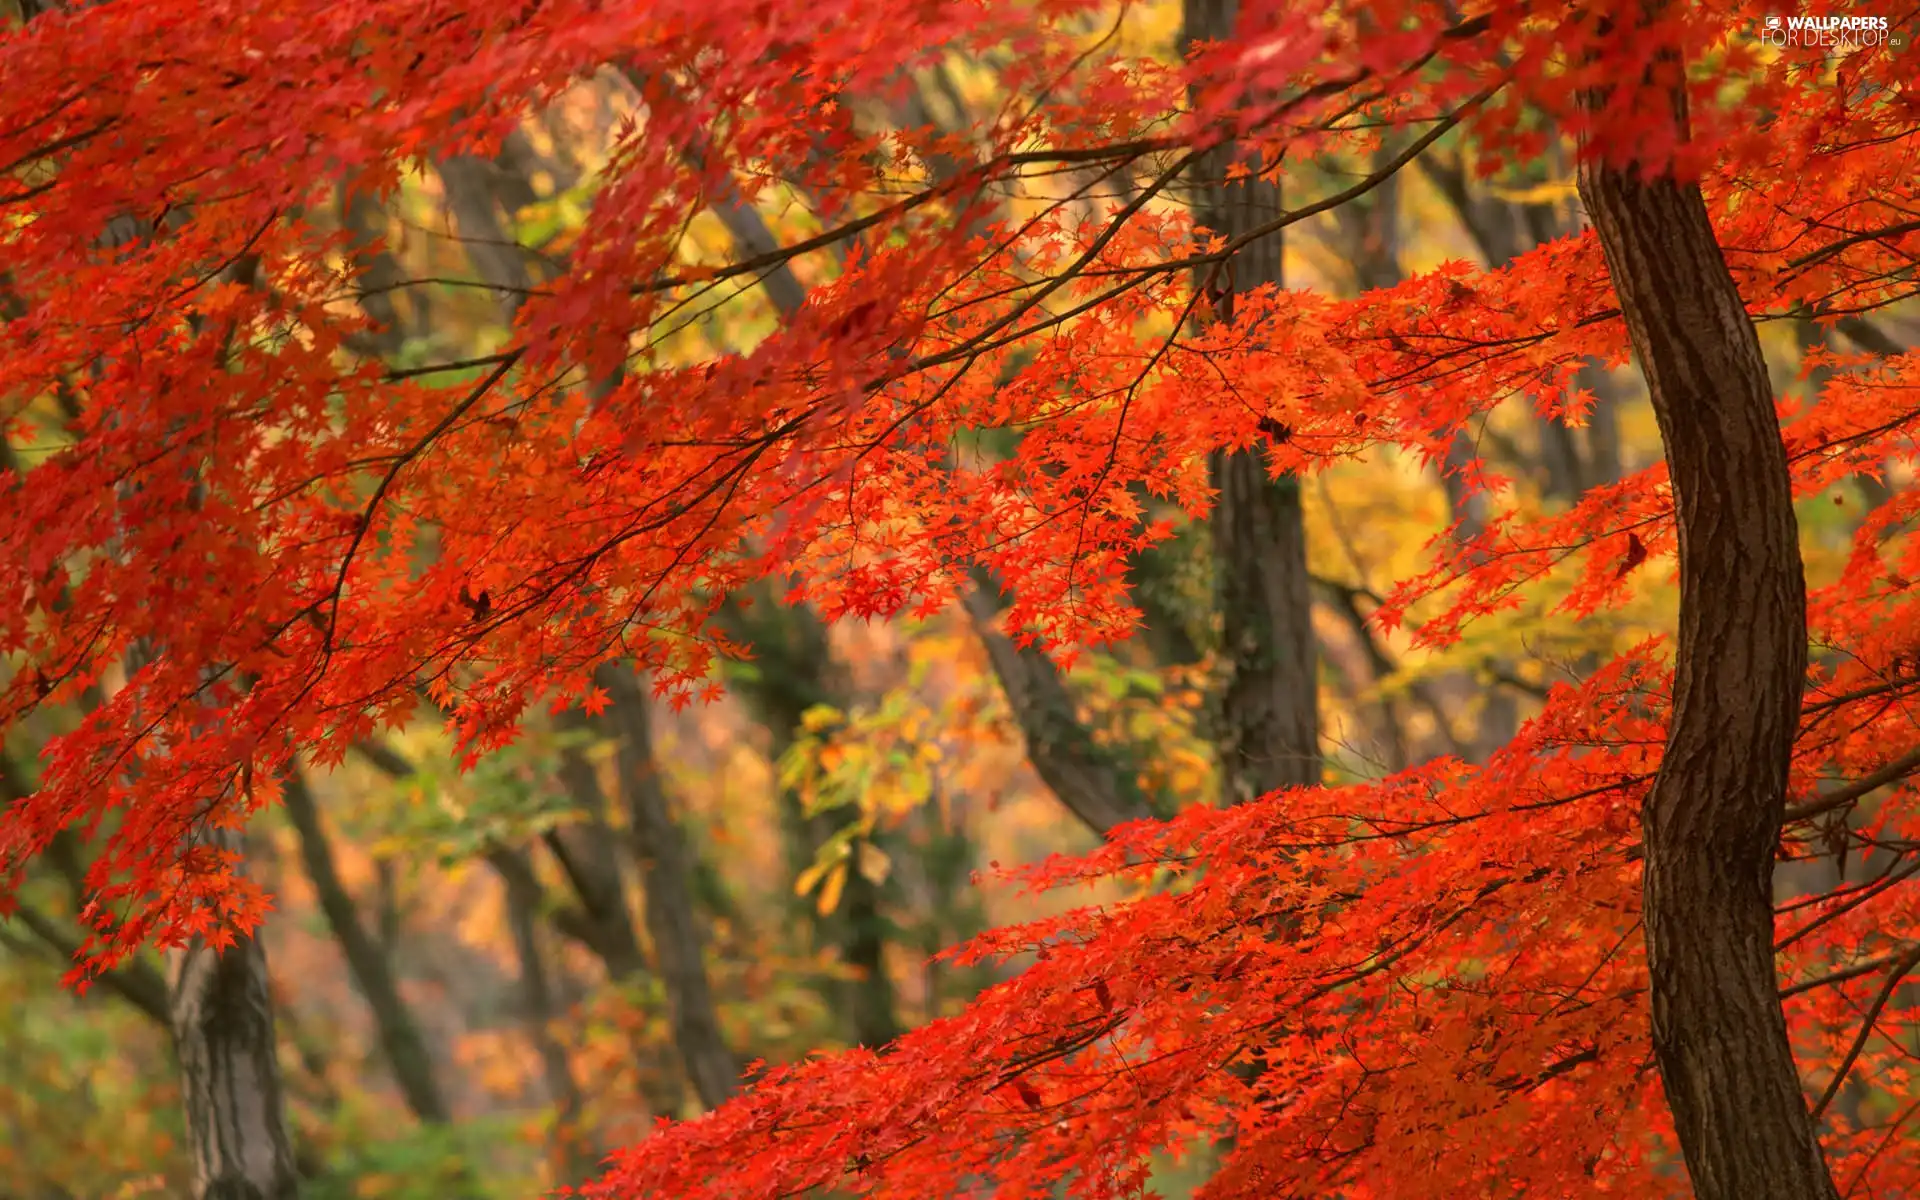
809 877
820 716
830 894
1539 193
874 864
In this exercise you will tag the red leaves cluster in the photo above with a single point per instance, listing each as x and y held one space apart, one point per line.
222 559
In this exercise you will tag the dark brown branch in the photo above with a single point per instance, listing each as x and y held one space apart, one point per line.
1093 785
134 981
1895 973
1900 768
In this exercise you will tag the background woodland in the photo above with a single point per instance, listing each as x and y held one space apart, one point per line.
485 975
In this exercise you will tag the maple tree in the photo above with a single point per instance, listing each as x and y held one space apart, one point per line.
1558 970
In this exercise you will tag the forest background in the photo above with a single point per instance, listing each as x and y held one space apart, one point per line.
490 968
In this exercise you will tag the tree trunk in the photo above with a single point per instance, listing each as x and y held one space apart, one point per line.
236 1121
587 853
666 872
1094 782
406 1051
1711 824
571 1160
1269 720
1269 733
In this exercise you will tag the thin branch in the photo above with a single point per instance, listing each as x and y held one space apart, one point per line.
1905 963
1870 967
1900 768
133 981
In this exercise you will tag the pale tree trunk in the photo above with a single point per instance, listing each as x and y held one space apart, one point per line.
1268 719
570 1160
408 1056
222 1014
1711 824
1503 230
666 870
588 853
1095 783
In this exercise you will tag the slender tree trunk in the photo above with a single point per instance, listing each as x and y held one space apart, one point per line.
222 1014
406 1051
1502 231
1269 717
666 868
1094 782
1498 718
589 853
666 872
679 941
365 220
471 188
571 1160
1711 824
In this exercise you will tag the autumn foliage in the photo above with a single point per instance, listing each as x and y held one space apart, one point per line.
1012 352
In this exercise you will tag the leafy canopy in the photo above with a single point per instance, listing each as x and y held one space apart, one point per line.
254 542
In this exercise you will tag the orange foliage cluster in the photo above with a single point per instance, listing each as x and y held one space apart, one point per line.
1457 1006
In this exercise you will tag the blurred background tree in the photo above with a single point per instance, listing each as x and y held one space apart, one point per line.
484 980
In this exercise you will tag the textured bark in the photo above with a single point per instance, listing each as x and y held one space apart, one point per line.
406 1051
1267 710
1269 734
1711 823
1269 716
222 1016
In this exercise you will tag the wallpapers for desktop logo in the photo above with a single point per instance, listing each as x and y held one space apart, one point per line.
1832 33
